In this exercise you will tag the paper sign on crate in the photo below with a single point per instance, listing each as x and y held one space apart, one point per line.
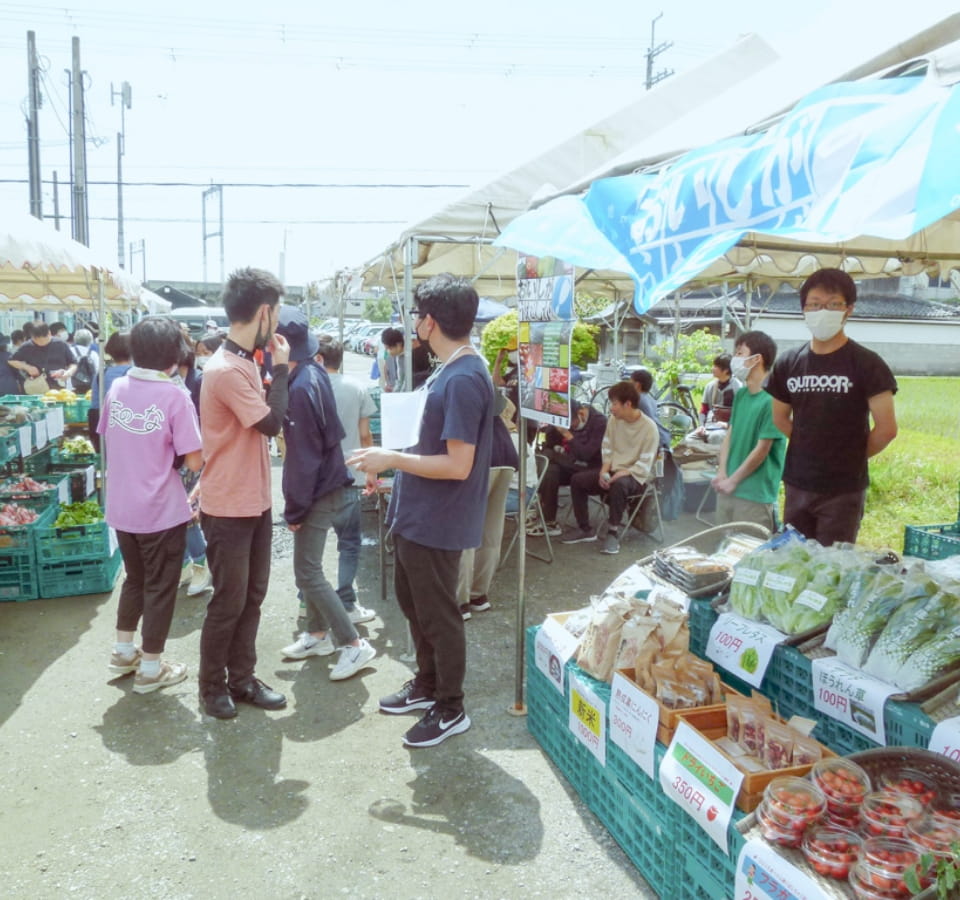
553 647
763 874
743 647
25 439
54 422
633 722
851 697
701 781
588 718
945 739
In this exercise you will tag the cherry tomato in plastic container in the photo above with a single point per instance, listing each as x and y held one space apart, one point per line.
830 850
885 813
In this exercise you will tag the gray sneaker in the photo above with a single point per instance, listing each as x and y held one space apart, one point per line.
578 535
611 544
170 673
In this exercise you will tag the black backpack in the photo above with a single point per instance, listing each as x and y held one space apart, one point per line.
83 377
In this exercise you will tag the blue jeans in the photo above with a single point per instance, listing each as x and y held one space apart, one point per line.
513 501
325 610
196 545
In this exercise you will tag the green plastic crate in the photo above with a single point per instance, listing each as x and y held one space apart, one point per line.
77 542
9 445
49 497
37 463
20 537
75 411
59 459
907 725
932 541
18 575
75 577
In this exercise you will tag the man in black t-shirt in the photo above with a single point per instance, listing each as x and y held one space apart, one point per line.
824 396
43 354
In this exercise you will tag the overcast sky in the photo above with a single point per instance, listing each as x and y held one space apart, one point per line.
380 112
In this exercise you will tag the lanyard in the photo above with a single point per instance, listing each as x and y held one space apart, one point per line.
436 374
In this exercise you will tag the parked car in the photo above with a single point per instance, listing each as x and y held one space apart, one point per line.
369 331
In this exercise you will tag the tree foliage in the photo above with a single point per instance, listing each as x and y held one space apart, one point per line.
686 354
378 309
496 334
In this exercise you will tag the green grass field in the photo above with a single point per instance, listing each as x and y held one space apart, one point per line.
915 480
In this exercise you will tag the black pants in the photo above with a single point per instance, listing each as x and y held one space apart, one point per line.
560 470
152 562
425 580
238 554
584 484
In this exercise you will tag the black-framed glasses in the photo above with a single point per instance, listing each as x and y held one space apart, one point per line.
417 314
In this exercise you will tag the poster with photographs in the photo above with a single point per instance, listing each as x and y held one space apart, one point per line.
545 321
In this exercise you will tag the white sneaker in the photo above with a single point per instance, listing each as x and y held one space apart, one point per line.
352 660
361 614
202 580
307 645
170 673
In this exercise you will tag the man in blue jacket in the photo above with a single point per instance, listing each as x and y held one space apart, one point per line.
317 490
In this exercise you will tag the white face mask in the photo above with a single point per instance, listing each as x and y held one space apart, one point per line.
824 324
739 367
201 361
512 356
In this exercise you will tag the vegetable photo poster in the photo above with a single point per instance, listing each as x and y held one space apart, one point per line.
545 324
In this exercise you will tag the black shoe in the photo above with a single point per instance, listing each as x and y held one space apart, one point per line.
256 693
479 604
436 726
465 611
408 698
220 706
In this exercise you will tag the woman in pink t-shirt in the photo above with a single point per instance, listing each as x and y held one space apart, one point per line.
149 426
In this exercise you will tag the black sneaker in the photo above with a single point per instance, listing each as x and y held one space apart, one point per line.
578 534
465 611
479 604
435 727
408 698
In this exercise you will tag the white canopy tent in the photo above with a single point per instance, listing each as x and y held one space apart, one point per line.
43 269
458 237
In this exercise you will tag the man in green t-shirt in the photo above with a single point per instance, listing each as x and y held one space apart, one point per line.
751 458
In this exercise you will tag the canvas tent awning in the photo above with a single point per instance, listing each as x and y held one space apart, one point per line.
858 175
43 269
458 237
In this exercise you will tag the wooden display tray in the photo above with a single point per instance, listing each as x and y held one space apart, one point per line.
711 723
670 718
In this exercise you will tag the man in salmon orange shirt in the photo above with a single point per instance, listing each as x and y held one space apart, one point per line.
235 497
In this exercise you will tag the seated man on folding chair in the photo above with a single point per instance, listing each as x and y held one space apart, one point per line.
573 451
629 452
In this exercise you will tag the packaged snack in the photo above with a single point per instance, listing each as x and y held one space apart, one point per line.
635 632
778 741
806 751
735 707
601 641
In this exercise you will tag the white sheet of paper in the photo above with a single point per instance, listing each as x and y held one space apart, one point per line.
400 416
762 874
945 739
851 696
633 722
588 718
54 422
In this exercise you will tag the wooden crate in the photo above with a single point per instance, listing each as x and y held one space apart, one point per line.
711 723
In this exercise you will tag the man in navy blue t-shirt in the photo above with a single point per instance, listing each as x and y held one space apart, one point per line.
438 506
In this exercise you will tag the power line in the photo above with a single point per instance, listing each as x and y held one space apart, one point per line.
260 184
156 220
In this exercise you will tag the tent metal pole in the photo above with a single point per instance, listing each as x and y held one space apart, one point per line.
518 708
102 320
409 259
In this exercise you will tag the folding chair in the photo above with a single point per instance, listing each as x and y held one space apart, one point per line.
534 509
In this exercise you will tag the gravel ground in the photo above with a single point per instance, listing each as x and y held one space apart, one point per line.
107 793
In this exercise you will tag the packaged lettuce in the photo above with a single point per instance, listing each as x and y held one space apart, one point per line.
745 587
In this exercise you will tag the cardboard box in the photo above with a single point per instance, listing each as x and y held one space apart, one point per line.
711 722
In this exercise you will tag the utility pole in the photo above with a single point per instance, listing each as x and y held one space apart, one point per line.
654 51
125 95
214 189
81 221
139 248
33 127
56 201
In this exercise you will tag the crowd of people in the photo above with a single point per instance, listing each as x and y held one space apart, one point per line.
186 426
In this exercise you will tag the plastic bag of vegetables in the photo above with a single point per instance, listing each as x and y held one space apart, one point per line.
930 660
915 623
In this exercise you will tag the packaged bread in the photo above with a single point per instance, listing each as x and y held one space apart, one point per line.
601 640
636 631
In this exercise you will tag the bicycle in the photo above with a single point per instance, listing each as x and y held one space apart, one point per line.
679 414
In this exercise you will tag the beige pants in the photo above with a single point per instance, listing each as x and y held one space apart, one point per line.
733 509
477 566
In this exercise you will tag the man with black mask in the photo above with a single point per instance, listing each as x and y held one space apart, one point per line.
570 450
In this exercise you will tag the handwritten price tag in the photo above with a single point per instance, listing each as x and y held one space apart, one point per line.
945 739
701 781
762 874
633 722
851 696
743 647
588 718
